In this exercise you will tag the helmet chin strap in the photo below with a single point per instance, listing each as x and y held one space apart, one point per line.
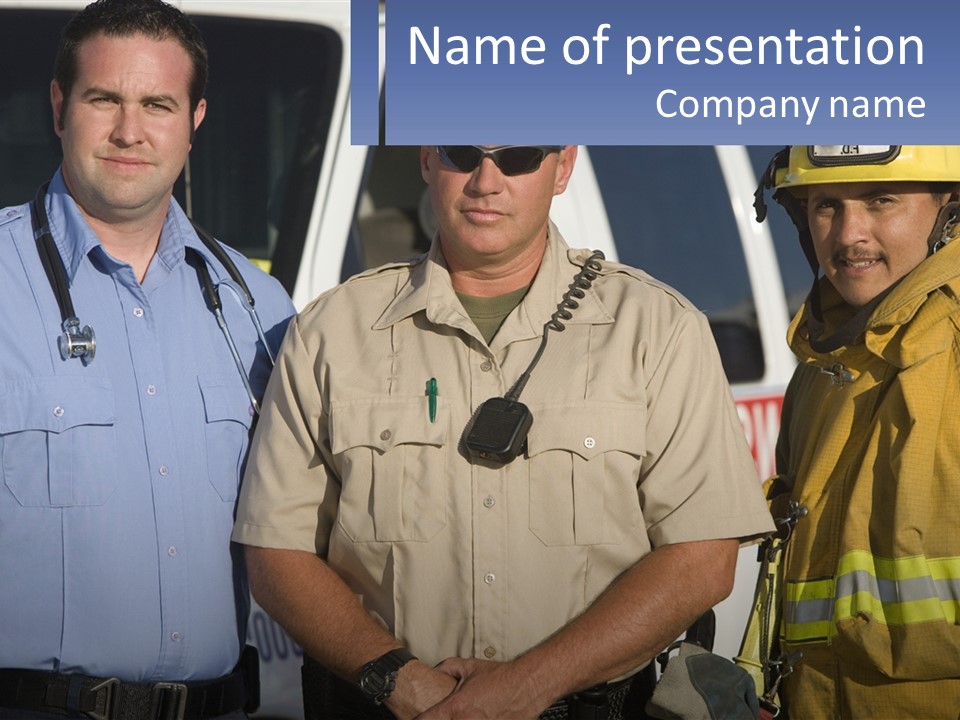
789 202
943 228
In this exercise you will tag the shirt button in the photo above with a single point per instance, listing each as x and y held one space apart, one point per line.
164 470
58 411
489 502
151 389
489 578
172 551
589 443
489 652
138 312
486 365
386 435
176 636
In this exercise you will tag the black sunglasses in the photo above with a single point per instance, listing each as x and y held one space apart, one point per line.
511 159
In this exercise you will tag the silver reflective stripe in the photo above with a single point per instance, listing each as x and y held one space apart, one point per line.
808 611
887 591
929 590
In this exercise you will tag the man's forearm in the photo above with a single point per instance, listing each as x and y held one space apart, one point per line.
302 593
642 612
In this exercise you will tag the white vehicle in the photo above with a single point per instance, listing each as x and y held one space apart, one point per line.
273 173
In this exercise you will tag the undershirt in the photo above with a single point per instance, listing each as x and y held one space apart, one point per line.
488 313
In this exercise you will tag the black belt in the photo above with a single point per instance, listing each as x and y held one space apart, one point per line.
111 699
327 696
621 700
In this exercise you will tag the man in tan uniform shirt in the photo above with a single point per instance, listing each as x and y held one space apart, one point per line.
369 527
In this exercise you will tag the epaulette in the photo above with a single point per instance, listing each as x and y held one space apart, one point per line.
610 268
406 262
578 256
8 215
381 270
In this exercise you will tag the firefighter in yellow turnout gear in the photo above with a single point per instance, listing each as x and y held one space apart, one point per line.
870 436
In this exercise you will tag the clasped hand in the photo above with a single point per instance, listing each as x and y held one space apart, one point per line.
484 689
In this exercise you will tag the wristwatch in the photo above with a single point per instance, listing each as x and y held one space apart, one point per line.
378 677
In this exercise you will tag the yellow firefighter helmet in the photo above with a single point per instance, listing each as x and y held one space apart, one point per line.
819 164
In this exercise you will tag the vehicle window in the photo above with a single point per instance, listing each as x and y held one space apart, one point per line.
393 218
794 269
29 149
670 215
253 171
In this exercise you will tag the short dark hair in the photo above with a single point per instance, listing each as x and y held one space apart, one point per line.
123 18
942 189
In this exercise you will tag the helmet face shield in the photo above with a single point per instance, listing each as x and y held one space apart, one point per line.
822 164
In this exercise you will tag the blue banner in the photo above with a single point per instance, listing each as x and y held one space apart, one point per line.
686 72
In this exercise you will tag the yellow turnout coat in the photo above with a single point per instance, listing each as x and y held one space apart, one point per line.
870 444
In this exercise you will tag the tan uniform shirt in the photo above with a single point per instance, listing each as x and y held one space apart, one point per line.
635 444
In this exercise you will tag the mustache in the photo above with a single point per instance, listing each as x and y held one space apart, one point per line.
846 256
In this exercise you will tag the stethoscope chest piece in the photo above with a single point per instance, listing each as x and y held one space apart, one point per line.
77 343
74 342
82 343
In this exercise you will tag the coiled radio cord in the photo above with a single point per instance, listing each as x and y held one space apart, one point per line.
568 303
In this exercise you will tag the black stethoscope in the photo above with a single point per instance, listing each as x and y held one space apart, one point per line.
77 342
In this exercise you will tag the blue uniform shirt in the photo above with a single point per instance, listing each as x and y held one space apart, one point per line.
118 480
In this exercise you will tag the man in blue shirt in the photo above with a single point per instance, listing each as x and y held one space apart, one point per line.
123 435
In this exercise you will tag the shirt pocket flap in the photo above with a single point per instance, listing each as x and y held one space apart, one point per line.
588 428
225 399
55 404
385 423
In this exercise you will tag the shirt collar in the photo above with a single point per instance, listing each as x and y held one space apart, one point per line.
429 288
71 233
557 269
75 239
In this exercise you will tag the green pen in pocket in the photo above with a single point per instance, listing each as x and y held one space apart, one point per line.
432 398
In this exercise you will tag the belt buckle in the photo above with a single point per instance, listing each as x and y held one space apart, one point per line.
168 701
111 696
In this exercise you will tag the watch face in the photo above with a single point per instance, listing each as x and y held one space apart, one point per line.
372 682
377 686
379 677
